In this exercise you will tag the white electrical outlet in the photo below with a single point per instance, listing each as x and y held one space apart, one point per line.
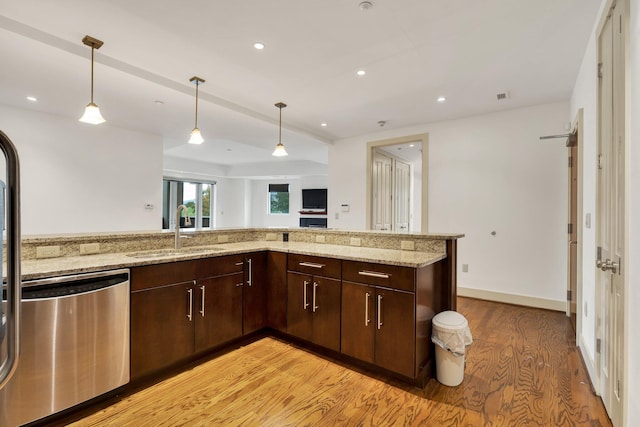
223 238
89 248
271 236
47 251
355 241
320 239
407 245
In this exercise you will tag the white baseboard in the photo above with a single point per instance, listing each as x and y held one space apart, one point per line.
526 301
590 364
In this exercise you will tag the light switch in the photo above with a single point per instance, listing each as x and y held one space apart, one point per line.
587 220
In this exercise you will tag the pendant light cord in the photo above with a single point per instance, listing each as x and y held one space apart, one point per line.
280 129
197 85
92 49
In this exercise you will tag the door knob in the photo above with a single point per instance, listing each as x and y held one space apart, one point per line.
607 265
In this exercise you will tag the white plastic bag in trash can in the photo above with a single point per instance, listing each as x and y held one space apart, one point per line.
451 335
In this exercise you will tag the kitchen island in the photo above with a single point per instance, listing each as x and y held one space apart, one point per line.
366 298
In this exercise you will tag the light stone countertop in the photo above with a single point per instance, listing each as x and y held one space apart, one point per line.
51 267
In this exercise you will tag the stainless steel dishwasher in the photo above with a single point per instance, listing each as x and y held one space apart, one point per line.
74 344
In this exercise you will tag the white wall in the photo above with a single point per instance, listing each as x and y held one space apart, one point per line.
230 203
82 178
486 173
260 200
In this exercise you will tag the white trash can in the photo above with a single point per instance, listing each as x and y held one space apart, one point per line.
451 335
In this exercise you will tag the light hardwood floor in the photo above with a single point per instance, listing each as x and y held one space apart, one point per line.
522 370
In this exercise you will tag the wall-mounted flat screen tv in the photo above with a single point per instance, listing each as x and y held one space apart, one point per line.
314 199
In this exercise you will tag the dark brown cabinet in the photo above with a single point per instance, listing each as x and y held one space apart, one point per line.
379 323
182 308
255 292
161 333
218 310
313 300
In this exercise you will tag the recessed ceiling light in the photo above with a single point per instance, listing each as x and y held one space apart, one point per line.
441 99
258 45
361 72
32 99
365 5
412 145
323 124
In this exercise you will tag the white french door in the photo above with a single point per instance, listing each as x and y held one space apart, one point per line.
611 213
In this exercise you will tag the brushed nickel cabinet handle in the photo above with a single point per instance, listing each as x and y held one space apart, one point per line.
379 311
202 302
311 264
190 314
367 320
305 304
374 274
315 307
250 280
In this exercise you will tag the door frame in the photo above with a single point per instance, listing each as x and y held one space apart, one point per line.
578 129
424 199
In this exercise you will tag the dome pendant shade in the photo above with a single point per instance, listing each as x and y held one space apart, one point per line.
92 112
280 151
196 136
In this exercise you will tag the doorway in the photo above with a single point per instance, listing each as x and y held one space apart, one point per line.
407 178
574 225
611 206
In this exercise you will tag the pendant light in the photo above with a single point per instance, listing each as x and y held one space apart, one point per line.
280 151
196 136
92 112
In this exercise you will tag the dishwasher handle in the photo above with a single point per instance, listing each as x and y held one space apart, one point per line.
62 286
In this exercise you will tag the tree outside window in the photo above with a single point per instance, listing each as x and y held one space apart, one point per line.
278 198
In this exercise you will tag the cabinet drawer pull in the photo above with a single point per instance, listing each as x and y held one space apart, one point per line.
311 264
374 274
315 307
379 311
305 304
190 314
202 302
239 263
249 281
367 320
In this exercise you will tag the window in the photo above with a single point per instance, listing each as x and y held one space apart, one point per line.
278 198
197 198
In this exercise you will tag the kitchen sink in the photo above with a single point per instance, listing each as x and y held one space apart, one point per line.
165 253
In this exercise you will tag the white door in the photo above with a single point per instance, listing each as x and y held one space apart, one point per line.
611 208
381 182
402 196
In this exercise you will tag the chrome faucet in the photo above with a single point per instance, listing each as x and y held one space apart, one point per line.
187 221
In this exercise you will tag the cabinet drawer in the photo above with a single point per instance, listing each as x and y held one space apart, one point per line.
220 266
318 266
390 276
152 276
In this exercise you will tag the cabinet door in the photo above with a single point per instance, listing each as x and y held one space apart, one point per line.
255 292
358 321
277 290
299 315
161 331
325 309
395 331
218 313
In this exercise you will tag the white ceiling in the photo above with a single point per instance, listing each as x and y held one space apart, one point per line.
412 50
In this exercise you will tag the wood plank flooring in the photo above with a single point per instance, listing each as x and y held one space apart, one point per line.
522 370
